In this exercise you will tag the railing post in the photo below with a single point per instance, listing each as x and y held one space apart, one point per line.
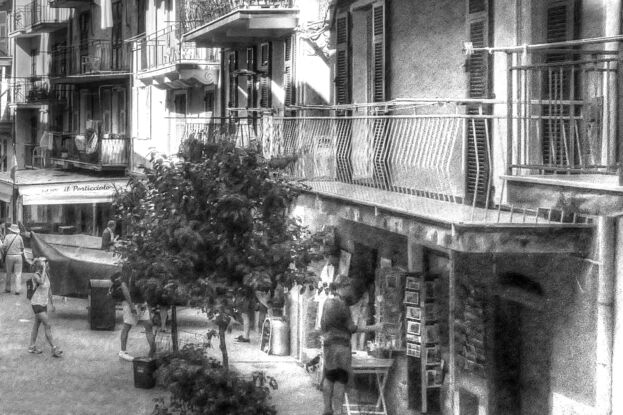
509 115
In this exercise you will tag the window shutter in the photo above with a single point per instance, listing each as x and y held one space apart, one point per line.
478 163
233 79
265 76
251 93
342 60
288 78
378 42
557 147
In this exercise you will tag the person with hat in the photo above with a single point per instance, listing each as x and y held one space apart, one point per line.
337 328
13 247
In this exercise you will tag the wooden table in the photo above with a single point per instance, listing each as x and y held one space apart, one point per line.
368 365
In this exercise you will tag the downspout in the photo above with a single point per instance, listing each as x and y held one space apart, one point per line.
606 241
616 401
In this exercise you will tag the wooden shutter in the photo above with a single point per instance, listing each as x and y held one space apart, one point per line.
342 59
288 75
264 68
378 48
479 76
251 92
232 62
557 148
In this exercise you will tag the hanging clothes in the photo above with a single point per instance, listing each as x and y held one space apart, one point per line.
106 13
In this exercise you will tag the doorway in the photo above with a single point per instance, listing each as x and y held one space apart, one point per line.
522 359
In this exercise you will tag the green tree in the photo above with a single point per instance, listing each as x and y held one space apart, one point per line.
212 225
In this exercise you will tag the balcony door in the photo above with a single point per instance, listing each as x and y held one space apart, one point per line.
179 111
117 37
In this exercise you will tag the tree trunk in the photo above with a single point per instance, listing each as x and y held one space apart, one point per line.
174 338
221 335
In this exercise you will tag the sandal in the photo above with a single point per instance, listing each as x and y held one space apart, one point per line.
56 352
34 349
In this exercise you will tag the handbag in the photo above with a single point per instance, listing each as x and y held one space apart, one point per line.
6 250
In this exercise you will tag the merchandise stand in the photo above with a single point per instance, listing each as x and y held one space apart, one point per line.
370 366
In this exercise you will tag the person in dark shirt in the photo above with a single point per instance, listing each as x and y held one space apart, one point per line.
337 328
108 236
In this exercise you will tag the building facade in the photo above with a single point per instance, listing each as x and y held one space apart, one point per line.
473 144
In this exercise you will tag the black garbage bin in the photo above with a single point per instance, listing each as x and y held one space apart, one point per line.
144 369
101 305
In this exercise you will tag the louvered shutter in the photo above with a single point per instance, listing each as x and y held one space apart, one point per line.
265 77
478 163
378 47
251 93
342 59
233 79
288 75
557 148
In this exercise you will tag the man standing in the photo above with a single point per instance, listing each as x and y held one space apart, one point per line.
337 328
14 247
135 311
108 236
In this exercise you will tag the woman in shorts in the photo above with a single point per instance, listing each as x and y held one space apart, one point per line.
39 301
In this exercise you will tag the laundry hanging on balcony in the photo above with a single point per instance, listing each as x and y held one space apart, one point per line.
106 11
87 143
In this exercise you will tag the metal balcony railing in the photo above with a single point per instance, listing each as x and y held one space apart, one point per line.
29 90
92 57
163 48
196 13
562 111
104 152
36 13
241 130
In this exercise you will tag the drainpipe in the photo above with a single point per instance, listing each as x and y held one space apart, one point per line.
617 336
612 27
606 240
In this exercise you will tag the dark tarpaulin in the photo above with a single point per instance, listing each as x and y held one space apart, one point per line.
70 277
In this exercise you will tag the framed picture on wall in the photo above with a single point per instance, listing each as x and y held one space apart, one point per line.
430 290
414 327
344 265
432 354
414 313
413 284
414 350
432 333
430 311
412 297
413 338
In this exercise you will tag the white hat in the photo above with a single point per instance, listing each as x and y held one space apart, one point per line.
14 228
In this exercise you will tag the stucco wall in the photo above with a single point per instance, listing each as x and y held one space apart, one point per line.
425 49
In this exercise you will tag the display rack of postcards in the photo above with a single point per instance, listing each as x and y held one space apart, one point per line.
389 288
422 338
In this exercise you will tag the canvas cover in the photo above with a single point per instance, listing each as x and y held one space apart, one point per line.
69 276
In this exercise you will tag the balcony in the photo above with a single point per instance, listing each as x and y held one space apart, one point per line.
70 4
165 62
95 58
237 22
35 92
36 18
94 153
563 115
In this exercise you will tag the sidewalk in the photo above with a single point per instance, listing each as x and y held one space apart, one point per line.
91 379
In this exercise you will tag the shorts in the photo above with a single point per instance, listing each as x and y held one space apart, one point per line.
336 375
142 314
39 308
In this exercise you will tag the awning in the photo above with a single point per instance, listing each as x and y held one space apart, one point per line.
100 191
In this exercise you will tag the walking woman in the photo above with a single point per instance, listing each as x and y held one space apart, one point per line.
39 301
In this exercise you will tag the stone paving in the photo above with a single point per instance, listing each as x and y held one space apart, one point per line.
91 379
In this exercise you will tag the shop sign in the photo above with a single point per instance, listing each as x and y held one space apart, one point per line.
66 193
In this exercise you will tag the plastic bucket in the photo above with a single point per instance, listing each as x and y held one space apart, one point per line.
144 368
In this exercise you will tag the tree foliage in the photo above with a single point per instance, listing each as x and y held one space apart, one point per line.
211 225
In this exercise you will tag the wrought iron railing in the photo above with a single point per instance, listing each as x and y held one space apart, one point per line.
199 12
91 57
563 112
105 152
29 90
241 130
163 48
36 13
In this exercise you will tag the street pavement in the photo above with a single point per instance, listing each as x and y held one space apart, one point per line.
91 379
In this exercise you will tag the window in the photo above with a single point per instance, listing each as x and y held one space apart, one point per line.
251 91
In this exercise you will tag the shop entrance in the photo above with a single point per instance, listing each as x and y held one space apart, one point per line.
522 359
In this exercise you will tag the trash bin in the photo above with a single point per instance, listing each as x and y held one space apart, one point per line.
101 305
144 368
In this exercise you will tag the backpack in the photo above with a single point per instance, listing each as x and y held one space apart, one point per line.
115 290
31 287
